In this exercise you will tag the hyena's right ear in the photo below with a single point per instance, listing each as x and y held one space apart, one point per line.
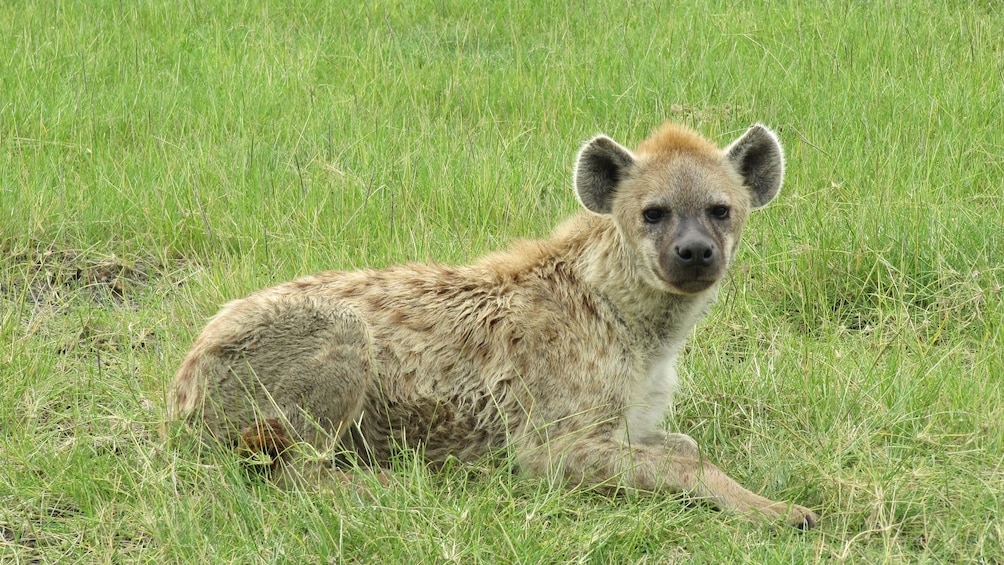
759 158
601 165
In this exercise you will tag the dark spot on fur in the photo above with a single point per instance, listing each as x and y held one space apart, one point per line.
266 438
375 303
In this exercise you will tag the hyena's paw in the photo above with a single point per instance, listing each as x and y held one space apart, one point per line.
801 517
793 515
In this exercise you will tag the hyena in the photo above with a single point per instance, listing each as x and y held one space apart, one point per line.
560 351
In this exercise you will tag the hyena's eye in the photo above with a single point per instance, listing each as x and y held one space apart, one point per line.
654 215
720 212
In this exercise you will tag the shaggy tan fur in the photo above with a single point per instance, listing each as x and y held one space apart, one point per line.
562 350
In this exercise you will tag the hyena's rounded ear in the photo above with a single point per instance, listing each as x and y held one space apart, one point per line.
601 165
759 158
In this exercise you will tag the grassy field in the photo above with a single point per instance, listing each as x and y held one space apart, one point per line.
160 158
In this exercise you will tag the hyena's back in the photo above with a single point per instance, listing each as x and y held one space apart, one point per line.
379 359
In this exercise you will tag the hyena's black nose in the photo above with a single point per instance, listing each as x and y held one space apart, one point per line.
695 251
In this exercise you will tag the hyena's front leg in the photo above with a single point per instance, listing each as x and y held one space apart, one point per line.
724 492
673 466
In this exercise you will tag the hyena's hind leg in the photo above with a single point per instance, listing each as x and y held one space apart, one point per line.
285 370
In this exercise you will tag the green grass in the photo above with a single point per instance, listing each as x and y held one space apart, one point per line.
160 158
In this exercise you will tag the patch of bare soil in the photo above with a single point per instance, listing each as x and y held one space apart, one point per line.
72 296
44 276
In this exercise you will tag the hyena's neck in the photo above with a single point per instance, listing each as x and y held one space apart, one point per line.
606 265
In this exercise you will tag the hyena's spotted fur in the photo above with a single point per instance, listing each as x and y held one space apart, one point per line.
560 350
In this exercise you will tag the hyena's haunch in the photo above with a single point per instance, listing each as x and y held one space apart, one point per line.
561 351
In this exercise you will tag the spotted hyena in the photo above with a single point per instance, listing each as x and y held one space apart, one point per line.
561 351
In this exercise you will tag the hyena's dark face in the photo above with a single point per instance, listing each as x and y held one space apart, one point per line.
684 218
680 202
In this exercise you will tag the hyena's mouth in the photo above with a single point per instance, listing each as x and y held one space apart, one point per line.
692 286
692 280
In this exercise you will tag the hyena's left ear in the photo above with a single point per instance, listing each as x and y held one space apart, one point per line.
758 157
601 165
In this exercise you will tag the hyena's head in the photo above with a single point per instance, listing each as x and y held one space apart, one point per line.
678 201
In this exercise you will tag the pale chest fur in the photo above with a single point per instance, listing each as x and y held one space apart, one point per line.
652 396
